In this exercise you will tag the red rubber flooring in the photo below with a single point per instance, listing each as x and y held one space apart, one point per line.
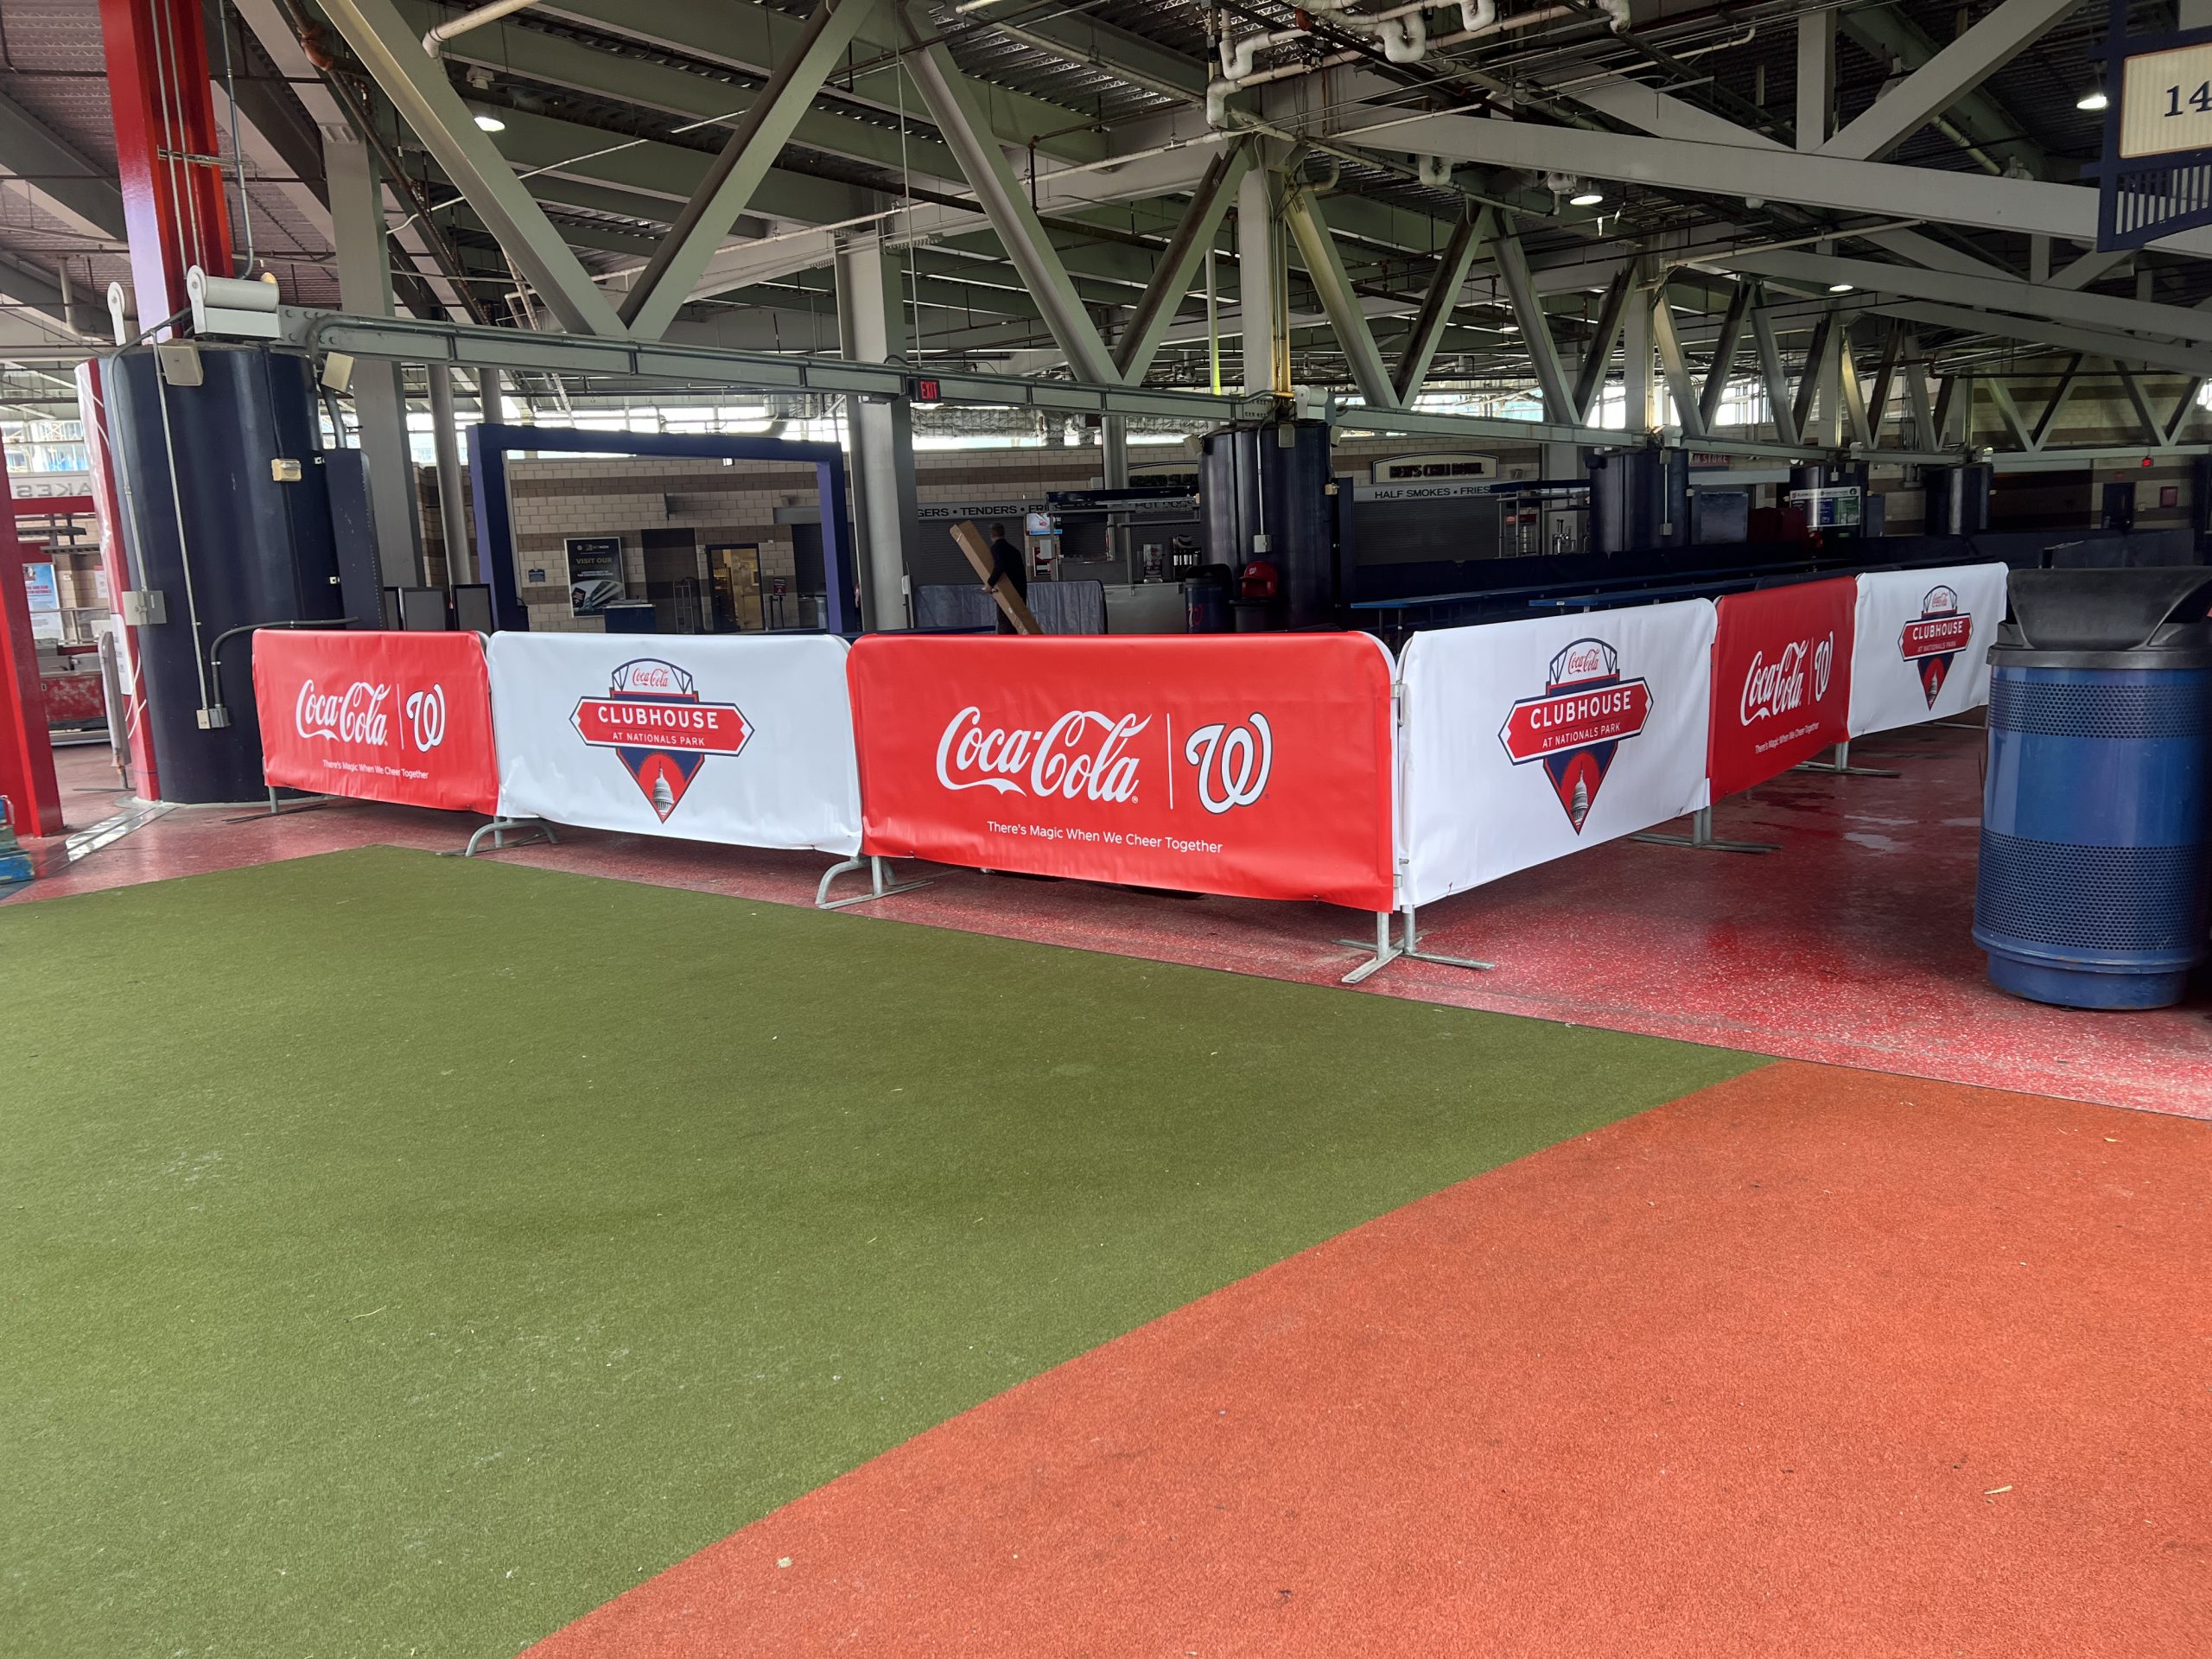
1850 945
1813 1362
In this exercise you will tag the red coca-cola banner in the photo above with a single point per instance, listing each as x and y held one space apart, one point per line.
1257 765
402 717
1781 679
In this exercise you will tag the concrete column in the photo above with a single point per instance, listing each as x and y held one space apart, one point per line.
1816 78
1635 359
453 499
365 289
1114 473
488 398
1259 284
872 329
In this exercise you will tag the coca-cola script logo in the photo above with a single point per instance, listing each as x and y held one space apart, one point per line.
1780 687
1932 640
1586 711
356 715
1087 755
660 729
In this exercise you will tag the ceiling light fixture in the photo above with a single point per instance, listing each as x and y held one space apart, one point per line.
490 121
1587 199
2092 101
1838 288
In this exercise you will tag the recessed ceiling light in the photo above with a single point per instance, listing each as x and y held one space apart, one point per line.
489 122
1838 288
1587 199
2092 101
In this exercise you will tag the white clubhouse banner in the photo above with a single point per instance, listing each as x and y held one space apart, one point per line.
742 738
1920 646
1525 741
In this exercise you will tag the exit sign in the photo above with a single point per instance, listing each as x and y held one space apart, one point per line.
928 391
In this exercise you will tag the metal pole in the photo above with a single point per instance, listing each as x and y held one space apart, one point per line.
453 511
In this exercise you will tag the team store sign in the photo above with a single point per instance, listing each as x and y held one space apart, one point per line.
1257 766
403 717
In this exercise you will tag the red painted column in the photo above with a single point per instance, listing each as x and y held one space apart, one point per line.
26 750
114 565
173 201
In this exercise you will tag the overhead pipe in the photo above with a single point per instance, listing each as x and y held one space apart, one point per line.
438 34
1405 42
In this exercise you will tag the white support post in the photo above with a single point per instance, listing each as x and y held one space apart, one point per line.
357 222
1816 78
872 329
1259 278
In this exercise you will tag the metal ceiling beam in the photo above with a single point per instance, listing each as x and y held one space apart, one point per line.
333 103
1689 413
1560 405
1854 398
2047 423
959 118
28 286
435 343
757 139
1779 402
1597 350
1889 35
1812 377
1777 175
1435 313
1325 265
832 126
1083 39
2182 410
2091 265
1663 115
1924 431
1147 328
1878 400
549 152
2008 411
1816 271
79 188
758 37
2154 430
2179 359
417 85
1729 341
1933 87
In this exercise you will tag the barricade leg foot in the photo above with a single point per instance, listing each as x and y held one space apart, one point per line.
1414 952
1842 766
1701 837
531 829
1386 950
880 886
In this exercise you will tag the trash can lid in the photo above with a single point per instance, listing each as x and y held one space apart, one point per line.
2159 608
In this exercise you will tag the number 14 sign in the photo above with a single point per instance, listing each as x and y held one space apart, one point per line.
2166 102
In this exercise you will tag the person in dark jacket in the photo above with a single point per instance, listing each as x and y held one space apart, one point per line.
1007 561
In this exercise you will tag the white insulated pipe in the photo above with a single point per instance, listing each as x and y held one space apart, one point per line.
438 34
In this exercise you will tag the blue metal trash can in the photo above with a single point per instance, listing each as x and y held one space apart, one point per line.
2095 883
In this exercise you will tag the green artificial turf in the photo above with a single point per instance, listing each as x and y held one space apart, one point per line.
404 1256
